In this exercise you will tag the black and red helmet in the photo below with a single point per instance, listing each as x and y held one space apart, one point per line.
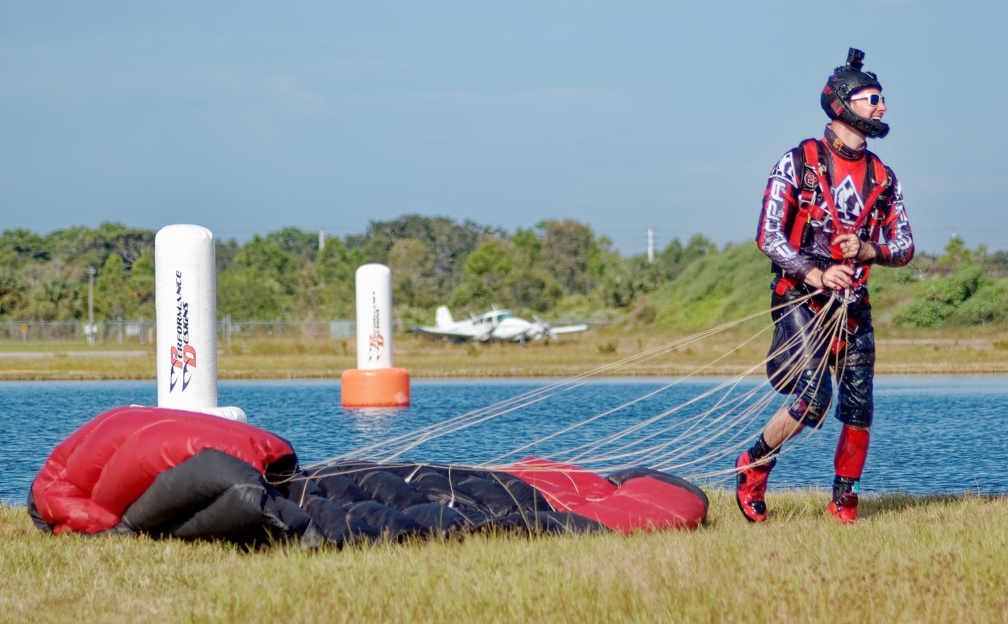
844 82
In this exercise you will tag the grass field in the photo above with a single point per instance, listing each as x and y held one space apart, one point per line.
910 560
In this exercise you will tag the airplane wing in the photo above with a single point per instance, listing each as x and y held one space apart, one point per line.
540 329
454 336
568 329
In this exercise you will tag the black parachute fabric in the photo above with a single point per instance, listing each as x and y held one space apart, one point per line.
349 501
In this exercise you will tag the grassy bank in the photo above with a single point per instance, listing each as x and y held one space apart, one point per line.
618 352
911 559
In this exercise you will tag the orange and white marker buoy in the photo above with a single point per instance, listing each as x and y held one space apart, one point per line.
375 382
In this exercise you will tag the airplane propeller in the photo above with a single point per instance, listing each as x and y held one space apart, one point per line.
540 328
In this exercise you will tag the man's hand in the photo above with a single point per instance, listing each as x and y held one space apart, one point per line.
849 244
853 247
836 277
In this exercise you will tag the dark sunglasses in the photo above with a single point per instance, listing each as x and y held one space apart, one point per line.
873 98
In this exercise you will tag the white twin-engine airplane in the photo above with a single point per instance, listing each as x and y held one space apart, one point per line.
494 325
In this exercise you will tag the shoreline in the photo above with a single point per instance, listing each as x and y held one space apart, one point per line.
598 355
486 374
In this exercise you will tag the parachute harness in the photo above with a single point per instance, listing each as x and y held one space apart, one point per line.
815 190
861 271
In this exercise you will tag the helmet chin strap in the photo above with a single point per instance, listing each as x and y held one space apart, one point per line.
873 129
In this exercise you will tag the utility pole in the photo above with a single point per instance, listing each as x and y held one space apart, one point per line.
89 331
650 246
321 240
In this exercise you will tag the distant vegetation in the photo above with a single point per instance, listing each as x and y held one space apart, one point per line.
560 269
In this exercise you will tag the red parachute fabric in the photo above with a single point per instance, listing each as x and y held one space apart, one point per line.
103 467
641 503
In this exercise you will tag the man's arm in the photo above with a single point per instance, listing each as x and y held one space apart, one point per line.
780 203
898 248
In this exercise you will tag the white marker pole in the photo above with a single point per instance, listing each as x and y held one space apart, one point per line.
374 316
185 303
375 382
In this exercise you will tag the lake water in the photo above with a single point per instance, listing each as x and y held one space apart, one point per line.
932 435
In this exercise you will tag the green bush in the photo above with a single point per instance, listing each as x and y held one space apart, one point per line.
905 275
715 289
922 313
988 305
956 288
967 297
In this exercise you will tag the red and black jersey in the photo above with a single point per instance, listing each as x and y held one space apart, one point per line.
797 223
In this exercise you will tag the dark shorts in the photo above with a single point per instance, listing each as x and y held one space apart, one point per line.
801 360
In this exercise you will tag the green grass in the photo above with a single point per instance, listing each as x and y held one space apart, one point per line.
935 559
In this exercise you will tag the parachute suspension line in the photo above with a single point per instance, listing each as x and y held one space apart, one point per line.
414 438
411 439
816 325
586 450
690 440
397 445
827 325
721 410
584 453
735 436
651 394
841 352
731 416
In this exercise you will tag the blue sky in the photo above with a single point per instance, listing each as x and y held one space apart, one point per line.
246 117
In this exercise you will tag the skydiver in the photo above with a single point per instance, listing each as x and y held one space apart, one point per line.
822 238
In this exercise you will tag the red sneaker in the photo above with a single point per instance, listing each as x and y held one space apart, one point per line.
844 510
750 486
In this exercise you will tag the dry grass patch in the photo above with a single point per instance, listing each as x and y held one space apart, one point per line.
603 351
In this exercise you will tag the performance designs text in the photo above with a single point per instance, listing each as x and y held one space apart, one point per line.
183 354
375 340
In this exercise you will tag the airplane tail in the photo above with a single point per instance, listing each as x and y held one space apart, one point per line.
443 318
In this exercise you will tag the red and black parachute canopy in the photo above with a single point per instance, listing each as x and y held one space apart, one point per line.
173 473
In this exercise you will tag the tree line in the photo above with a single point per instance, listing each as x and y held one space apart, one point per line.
291 274
555 267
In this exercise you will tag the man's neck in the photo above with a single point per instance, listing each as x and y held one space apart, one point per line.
851 138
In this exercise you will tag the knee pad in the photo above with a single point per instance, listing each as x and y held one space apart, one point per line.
808 414
813 401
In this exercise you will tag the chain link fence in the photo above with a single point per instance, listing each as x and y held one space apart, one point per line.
144 331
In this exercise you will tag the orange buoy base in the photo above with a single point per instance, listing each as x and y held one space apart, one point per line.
375 387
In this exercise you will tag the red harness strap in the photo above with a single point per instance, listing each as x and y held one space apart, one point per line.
809 210
881 181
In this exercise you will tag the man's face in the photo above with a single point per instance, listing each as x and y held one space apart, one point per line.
861 103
